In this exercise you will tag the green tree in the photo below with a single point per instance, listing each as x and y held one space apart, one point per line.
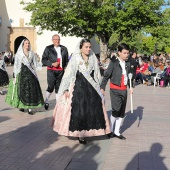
148 45
161 32
103 18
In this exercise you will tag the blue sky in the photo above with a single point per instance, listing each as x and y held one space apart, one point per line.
164 7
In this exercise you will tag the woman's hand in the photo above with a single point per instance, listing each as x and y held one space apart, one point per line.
103 92
67 94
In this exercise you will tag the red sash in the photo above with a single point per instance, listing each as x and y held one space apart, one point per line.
56 68
121 87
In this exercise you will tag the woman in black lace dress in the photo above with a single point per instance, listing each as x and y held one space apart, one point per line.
24 91
80 111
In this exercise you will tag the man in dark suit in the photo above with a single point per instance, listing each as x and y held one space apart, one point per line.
55 57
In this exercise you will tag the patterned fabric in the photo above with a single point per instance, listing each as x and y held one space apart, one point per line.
16 102
30 61
2 65
62 117
29 91
83 113
24 91
87 112
4 79
78 64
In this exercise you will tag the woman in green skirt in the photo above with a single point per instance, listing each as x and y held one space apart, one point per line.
24 91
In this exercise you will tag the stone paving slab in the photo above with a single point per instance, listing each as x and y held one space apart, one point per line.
27 142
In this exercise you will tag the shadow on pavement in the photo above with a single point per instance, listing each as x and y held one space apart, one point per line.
68 158
148 160
8 108
20 147
4 118
36 146
131 118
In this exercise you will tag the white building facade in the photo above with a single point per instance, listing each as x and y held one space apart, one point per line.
14 28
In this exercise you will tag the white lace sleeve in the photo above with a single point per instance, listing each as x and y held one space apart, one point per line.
69 75
37 64
2 65
17 64
97 75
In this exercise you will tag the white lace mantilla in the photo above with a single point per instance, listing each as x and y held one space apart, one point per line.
30 61
2 65
78 64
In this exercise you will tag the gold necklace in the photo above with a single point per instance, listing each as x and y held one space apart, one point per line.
86 62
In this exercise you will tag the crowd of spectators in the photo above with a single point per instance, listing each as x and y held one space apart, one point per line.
144 67
150 66
8 57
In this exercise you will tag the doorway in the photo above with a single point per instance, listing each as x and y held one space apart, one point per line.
17 43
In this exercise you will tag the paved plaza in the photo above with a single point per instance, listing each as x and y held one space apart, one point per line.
27 142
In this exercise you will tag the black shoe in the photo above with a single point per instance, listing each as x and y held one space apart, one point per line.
21 110
46 105
120 137
82 141
110 135
2 93
30 112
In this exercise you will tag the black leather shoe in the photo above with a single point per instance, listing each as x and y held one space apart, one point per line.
30 112
21 110
82 141
120 137
110 135
46 105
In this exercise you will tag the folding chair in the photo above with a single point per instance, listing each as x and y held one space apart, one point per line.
157 78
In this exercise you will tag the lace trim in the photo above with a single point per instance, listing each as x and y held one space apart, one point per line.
77 63
31 62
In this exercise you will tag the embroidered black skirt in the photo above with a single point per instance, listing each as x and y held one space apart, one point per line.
87 111
4 79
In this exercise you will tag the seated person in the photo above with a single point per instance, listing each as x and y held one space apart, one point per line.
143 68
153 74
161 65
164 72
147 73
167 75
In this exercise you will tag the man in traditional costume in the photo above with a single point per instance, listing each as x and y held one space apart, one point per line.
55 57
117 72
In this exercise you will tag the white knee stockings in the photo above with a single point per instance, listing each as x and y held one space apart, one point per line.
48 96
117 121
